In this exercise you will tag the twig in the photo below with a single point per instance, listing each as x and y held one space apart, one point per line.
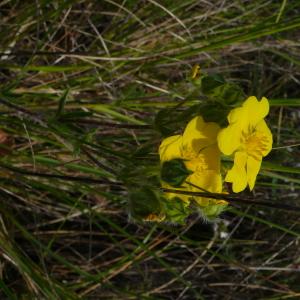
233 199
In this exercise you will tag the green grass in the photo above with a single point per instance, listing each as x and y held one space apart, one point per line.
79 93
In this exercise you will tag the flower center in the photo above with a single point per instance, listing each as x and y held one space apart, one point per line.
188 153
255 144
195 162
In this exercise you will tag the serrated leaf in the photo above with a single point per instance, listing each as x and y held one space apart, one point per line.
217 89
176 210
215 112
209 84
212 211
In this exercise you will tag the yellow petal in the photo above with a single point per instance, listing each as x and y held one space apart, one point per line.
251 112
253 166
208 137
170 148
238 115
199 134
193 131
212 157
235 114
208 159
264 130
237 175
209 181
257 110
170 196
229 139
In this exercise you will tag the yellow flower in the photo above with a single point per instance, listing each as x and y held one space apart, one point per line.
199 150
249 139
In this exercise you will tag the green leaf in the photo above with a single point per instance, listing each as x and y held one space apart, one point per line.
62 102
217 89
174 172
74 115
176 210
112 112
209 84
285 102
215 112
212 211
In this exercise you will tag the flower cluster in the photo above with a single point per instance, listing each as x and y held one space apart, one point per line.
247 138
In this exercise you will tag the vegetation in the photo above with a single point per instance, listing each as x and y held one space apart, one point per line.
88 91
